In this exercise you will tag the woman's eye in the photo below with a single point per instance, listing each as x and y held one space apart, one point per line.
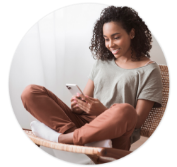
106 39
114 38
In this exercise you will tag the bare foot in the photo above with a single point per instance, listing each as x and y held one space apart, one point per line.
66 138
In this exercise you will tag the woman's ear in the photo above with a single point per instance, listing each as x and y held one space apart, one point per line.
132 33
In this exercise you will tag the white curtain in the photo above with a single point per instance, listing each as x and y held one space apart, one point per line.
55 51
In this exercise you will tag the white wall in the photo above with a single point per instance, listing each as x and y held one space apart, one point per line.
55 51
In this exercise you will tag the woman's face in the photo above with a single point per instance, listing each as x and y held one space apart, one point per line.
117 40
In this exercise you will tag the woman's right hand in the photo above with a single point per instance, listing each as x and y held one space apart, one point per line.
74 107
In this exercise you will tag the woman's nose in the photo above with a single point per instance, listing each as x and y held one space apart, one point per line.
111 43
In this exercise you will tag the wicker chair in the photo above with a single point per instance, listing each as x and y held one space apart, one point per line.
101 155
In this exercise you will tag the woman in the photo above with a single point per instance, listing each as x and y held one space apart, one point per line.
123 86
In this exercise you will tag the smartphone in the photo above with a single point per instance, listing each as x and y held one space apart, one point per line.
74 89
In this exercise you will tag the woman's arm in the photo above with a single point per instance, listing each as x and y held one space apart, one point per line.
89 88
143 108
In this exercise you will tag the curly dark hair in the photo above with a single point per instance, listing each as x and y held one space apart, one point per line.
128 18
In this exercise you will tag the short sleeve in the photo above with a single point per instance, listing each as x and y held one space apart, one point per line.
92 72
152 87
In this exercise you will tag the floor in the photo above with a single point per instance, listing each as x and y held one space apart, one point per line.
137 144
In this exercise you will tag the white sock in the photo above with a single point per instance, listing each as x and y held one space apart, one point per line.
102 143
41 130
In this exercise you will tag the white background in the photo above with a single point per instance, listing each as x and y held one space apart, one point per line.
55 51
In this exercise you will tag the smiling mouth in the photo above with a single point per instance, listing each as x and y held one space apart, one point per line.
115 51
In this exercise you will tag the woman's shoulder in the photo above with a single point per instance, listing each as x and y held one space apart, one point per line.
146 63
143 61
150 70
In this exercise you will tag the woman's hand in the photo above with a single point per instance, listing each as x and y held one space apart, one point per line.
74 106
91 106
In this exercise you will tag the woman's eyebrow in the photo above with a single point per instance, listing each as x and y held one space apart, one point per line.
111 35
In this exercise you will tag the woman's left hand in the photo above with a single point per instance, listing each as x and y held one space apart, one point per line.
91 105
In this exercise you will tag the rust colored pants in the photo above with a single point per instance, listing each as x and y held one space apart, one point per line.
116 123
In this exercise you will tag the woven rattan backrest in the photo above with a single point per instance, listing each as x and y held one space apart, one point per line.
156 114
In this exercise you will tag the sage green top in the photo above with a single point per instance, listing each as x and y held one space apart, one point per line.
113 84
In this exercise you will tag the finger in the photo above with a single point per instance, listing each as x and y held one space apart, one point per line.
89 97
81 101
84 98
84 108
82 105
73 100
73 103
78 100
76 107
73 97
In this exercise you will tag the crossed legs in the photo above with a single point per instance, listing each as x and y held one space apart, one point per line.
116 123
